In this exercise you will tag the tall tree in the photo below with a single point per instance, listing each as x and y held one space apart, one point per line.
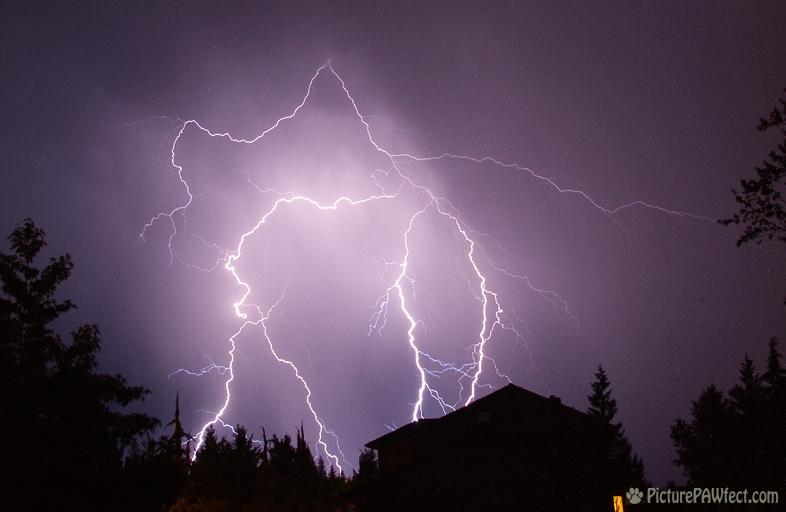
627 467
774 414
209 476
703 443
180 443
748 395
602 406
775 375
62 436
244 460
368 466
737 440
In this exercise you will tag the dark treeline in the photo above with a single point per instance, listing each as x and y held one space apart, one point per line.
734 441
738 439
66 444
230 474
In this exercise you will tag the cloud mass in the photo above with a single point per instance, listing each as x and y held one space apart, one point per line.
633 105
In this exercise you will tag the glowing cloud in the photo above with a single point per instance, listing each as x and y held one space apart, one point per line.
310 222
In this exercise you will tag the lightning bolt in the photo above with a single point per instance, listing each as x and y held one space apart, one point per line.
475 264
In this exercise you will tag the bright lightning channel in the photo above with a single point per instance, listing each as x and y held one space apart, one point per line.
494 317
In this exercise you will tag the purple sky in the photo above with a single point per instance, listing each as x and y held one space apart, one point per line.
653 102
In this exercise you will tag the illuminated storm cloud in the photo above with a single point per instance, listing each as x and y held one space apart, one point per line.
353 271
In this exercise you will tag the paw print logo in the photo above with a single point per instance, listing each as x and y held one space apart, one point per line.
634 496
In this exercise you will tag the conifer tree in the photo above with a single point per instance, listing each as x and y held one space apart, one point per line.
775 376
703 443
367 465
627 468
748 395
737 440
775 414
602 406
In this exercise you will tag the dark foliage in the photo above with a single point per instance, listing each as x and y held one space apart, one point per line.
62 435
241 474
739 439
627 467
156 471
368 466
154 475
762 211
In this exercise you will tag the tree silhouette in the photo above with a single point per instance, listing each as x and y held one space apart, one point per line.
762 211
156 471
627 468
244 474
209 476
748 395
62 437
180 443
737 440
775 376
774 416
368 465
244 461
703 444
602 406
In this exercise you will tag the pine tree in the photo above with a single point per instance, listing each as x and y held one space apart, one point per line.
703 444
748 395
244 460
306 470
209 477
602 406
774 429
775 376
737 440
367 465
627 468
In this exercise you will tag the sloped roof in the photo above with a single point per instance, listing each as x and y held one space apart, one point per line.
510 403
509 450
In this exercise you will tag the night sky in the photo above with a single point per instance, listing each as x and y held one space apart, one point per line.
614 133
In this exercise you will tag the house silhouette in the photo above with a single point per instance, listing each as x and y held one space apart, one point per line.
510 450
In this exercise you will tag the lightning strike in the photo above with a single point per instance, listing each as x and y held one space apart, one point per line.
474 263
205 370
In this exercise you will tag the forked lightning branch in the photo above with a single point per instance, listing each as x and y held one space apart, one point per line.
478 269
